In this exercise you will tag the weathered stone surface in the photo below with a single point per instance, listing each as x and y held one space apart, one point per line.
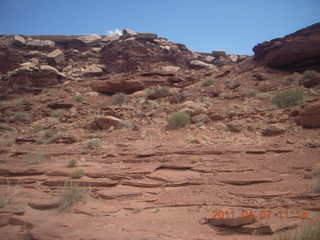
106 122
296 51
4 218
91 40
232 222
218 53
119 192
40 44
56 57
93 70
311 82
139 56
127 86
127 33
200 64
149 36
273 130
59 105
200 118
111 38
43 204
310 116
18 41
237 125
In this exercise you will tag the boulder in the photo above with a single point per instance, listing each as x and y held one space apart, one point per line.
273 130
40 44
310 116
56 57
200 118
311 82
91 40
295 52
127 33
106 122
18 41
218 53
200 64
149 36
233 57
93 70
232 222
111 38
237 125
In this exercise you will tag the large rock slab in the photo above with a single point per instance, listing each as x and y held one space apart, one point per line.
18 41
296 51
56 57
91 40
310 116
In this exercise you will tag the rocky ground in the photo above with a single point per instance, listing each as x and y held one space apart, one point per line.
86 151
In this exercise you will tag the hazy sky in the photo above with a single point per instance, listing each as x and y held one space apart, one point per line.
203 25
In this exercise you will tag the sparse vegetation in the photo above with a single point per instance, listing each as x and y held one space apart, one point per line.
251 93
21 102
46 90
178 120
79 99
92 143
37 128
49 133
305 232
77 173
148 91
228 81
119 98
288 98
288 80
20 116
3 104
72 195
7 194
263 96
309 74
72 163
316 184
57 113
4 126
208 82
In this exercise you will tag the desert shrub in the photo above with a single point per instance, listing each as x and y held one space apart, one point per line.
4 126
178 120
8 193
119 98
208 82
49 133
228 81
46 90
57 113
288 98
288 81
251 93
316 184
37 127
263 96
309 74
20 116
77 173
72 163
20 102
3 104
305 232
71 195
148 92
92 143
79 99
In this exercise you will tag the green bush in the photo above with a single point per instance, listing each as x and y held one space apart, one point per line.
288 81
309 74
71 195
178 120
288 98
49 133
79 99
20 116
72 163
37 127
76 174
119 98
305 232
92 143
57 113
4 126
208 82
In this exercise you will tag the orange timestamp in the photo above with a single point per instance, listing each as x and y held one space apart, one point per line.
262 214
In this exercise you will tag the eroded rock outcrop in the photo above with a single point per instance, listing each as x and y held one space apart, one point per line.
297 51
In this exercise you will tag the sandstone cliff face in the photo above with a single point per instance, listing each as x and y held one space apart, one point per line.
295 52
